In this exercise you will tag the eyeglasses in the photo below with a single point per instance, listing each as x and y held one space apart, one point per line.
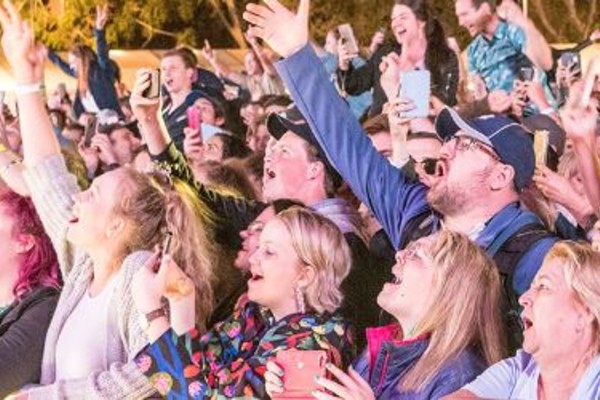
415 251
465 143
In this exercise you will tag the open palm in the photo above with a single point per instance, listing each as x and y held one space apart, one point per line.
25 59
284 31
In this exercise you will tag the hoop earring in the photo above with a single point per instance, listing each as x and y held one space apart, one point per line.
300 305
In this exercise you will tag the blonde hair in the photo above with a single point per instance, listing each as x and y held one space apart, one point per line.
155 208
465 309
319 243
567 165
581 269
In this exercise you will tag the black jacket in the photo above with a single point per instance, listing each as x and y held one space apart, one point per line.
444 78
234 214
22 335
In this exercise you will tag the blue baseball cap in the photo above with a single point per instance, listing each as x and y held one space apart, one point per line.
511 141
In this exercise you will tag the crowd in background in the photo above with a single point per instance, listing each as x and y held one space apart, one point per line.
422 217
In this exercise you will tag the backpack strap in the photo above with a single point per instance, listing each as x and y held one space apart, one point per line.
507 250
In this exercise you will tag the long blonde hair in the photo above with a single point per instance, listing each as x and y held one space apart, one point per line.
319 243
465 311
154 208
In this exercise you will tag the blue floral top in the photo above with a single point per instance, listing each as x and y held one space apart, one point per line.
499 60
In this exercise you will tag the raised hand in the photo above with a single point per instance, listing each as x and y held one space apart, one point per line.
284 31
345 57
390 67
25 58
207 52
101 16
350 386
143 108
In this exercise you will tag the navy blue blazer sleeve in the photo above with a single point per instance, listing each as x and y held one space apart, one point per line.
392 198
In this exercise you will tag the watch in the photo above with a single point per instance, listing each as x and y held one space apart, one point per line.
147 318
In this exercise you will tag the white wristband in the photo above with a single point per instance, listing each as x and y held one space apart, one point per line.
548 111
22 89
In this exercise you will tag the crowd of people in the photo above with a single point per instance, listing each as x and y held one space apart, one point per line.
414 221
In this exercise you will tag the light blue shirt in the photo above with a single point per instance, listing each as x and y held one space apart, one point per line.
517 378
499 60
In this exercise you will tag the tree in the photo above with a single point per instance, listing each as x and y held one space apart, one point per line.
164 24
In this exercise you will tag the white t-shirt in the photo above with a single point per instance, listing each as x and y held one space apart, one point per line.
89 104
517 378
81 346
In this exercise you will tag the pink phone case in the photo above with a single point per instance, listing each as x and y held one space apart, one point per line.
193 118
300 368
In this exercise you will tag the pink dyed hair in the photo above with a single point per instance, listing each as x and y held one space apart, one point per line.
40 265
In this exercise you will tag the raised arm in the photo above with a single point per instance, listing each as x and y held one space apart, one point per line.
536 48
220 70
265 63
100 34
60 63
580 125
392 198
46 175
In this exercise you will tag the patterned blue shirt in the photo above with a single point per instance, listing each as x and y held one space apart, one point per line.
499 60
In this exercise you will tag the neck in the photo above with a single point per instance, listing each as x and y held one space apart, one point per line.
467 219
311 196
491 26
283 310
7 283
559 378
177 99
105 265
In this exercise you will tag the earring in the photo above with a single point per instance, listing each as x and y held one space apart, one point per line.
300 300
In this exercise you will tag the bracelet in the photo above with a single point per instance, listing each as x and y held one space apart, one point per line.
548 111
6 167
22 89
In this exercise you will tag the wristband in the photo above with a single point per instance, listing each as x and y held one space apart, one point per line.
5 168
22 89
548 111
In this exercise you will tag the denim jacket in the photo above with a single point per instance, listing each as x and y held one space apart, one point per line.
385 363
101 77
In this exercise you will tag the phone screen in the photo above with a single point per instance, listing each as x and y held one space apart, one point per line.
347 34
153 91
416 86
90 130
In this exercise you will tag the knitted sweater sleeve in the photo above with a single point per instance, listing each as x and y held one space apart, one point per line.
52 188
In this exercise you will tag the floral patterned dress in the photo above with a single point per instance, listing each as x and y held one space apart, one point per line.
230 360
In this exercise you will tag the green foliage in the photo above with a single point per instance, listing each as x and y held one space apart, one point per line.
163 24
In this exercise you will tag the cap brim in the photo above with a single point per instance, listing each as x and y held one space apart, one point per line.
448 123
277 126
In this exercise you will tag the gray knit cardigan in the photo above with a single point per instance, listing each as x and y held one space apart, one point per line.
52 188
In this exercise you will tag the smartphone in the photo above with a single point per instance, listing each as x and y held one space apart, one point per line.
540 146
382 29
153 91
209 131
299 370
193 118
347 35
526 74
570 59
89 132
416 86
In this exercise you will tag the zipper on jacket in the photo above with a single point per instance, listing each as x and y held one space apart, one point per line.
383 372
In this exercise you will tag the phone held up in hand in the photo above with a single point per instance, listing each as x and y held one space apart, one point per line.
89 132
347 35
541 140
153 91
299 370
416 87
